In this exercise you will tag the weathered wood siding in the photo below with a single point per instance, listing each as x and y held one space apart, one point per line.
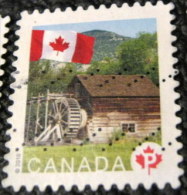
128 105
102 125
110 113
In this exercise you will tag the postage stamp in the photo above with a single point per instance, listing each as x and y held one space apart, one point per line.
94 100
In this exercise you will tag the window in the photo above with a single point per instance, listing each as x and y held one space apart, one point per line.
128 127
131 127
124 127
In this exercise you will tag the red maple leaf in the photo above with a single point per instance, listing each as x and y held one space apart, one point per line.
140 160
146 161
59 45
158 160
148 150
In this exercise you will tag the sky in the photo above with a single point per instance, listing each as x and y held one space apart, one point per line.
128 28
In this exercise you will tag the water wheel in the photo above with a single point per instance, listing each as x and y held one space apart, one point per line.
65 118
67 113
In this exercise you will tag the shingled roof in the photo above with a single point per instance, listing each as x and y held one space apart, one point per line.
118 85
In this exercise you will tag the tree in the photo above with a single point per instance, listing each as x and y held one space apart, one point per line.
106 66
43 76
134 56
39 73
139 55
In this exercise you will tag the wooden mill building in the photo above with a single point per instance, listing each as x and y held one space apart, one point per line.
128 103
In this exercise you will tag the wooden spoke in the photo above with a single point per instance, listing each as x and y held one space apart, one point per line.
64 111
52 116
56 106
60 107
64 121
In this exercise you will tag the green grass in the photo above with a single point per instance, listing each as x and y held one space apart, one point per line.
122 148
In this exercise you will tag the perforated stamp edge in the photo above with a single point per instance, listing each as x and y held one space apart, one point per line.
3 40
167 93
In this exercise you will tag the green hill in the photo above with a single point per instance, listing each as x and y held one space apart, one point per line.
106 43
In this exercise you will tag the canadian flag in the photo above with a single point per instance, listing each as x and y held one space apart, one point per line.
63 46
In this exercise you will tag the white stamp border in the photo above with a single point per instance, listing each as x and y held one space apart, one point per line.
3 40
167 94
